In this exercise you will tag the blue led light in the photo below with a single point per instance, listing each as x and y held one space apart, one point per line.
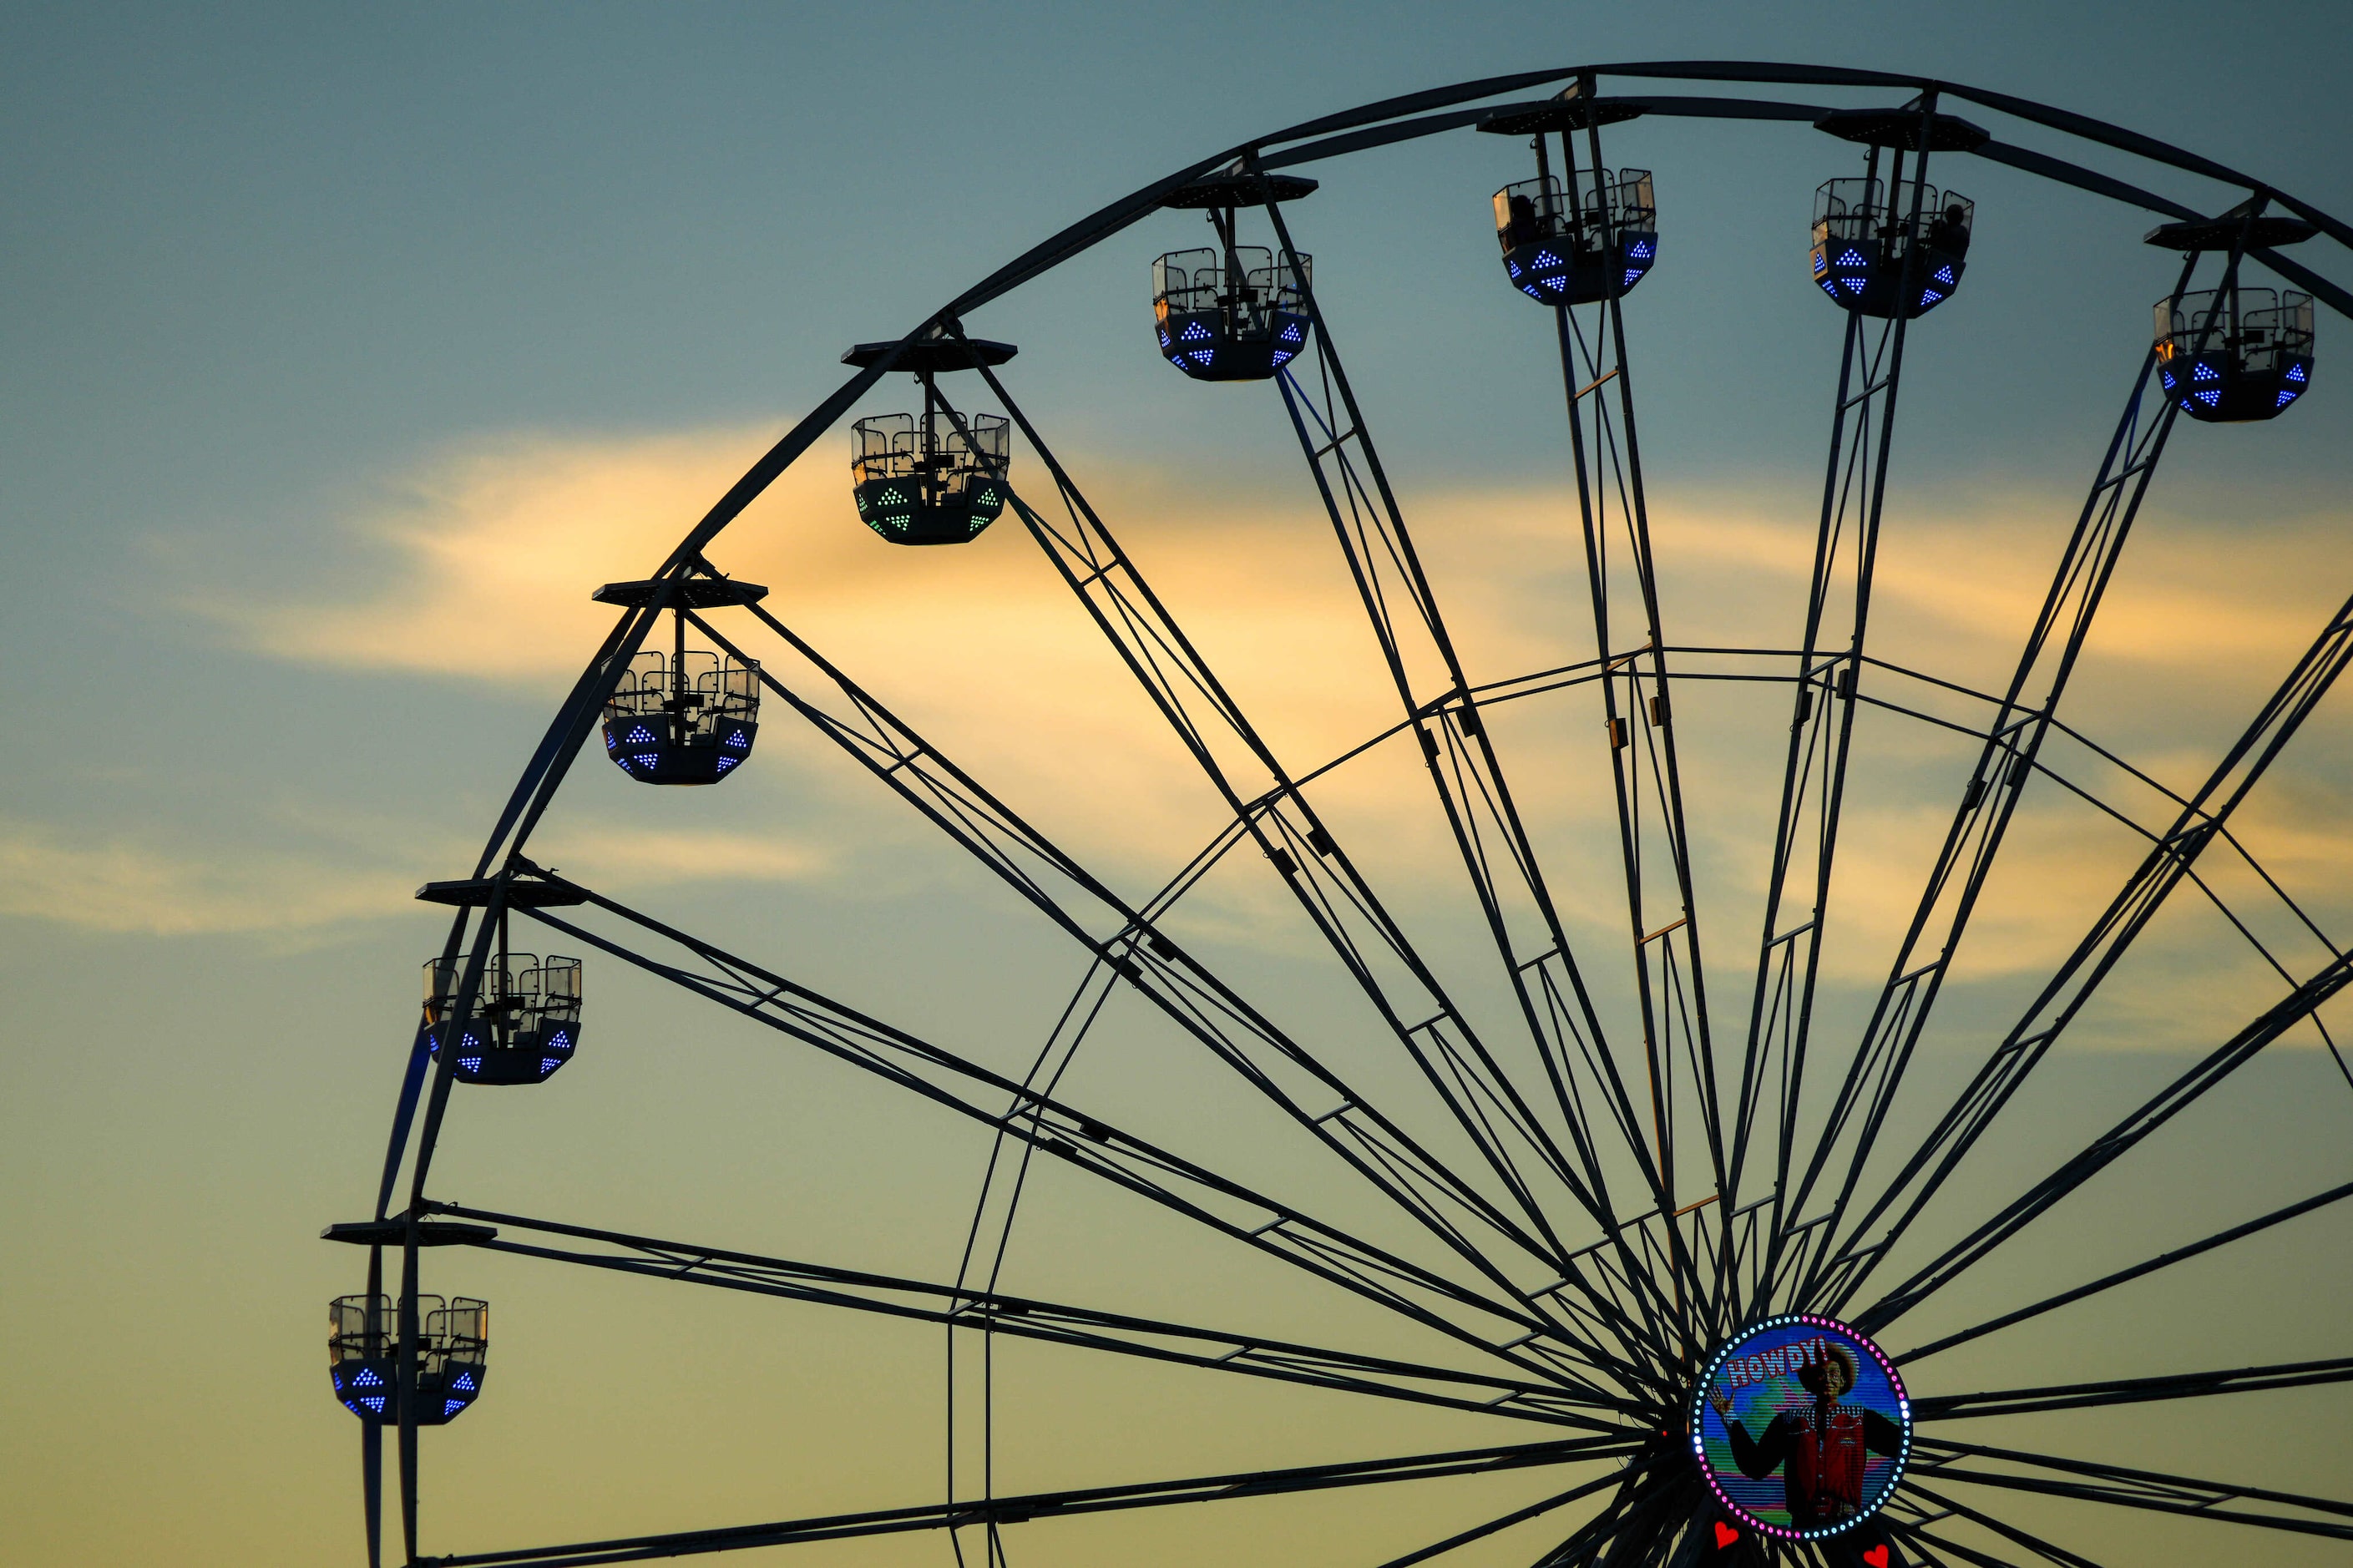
1202 356
560 1041
549 1064
1513 267
640 736
647 760
1164 338
374 1402
739 740
2204 372
1194 332
1631 274
367 1379
1531 291
1929 296
1296 331
2287 396
2167 376
2209 399
1850 257
610 742
471 1064
2185 403
724 763
1828 287
1546 259
352 1406
1821 264
1557 282
465 1380
2296 371
451 1406
1640 251
1283 356
1854 285
339 1382
1945 275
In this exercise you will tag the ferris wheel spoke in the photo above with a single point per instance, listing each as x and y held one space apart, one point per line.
1033 1506
1950 1507
1316 866
1173 980
1464 768
1027 1317
2085 1481
1814 774
2204 817
2125 1276
1989 801
1089 1145
1607 459
1517 1516
2134 1389
2175 1098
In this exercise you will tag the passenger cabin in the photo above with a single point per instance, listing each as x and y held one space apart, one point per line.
1894 249
1560 249
2227 356
524 1023
937 476
920 479
364 1356
1232 311
682 717
1236 315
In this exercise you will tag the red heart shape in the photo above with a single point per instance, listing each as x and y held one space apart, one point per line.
1876 1556
1725 1535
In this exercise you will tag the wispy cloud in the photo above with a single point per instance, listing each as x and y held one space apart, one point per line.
489 553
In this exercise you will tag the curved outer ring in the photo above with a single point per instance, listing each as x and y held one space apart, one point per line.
1699 1410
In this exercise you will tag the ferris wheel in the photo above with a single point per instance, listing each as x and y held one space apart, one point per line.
1642 1200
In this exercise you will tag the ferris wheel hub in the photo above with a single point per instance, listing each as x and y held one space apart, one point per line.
1801 1426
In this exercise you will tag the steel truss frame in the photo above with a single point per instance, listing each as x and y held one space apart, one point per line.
1556 1305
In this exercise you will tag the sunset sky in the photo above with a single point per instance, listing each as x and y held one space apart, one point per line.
347 349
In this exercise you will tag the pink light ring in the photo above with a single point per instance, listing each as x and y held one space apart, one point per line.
1699 1411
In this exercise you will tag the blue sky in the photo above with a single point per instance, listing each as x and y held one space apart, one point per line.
345 348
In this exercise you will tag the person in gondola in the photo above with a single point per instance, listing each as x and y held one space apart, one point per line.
1520 228
1949 231
1822 1445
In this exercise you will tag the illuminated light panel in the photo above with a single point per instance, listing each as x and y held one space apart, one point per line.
2296 371
1546 259
738 740
1850 257
1283 356
2208 397
646 760
1194 332
1821 264
367 1379
1640 251
724 763
1852 285
1631 274
1762 1375
2287 396
451 1406
1928 296
1202 356
375 1402
1557 282
2202 370
1945 275
2167 376
1295 332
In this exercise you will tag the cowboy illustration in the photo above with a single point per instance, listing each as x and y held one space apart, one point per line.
1823 1444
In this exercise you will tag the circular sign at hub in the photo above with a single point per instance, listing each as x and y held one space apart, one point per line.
1801 1426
